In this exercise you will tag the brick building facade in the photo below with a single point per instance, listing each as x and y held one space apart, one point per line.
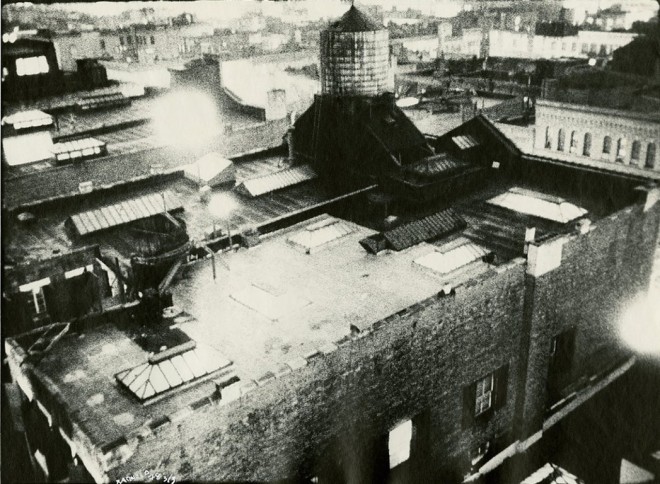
599 134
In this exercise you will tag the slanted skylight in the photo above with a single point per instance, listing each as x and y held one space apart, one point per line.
538 204
446 262
320 233
78 149
32 118
465 141
170 369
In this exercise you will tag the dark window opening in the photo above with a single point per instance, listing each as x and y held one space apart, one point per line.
607 145
586 149
561 139
635 152
561 364
650 156
621 150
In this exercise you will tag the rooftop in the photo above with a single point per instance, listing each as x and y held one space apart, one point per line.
46 233
354 20
267 308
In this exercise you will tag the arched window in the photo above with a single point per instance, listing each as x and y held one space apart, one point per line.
586 148
574 143
548 141
607 145
635 151
561 139
650 156
620 150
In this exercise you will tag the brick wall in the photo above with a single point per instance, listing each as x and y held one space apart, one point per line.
412 366
599 123
600 271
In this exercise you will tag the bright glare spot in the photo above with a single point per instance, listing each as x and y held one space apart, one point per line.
640 324
399 443
222 205
186 119
592 62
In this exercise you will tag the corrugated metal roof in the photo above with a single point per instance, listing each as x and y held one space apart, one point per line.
124 212
277 181
427 228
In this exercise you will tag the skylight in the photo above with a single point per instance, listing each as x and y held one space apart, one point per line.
29 119
320 233
449 261
465 142
81 148
170 369
538 204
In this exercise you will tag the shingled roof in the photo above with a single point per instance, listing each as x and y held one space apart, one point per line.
354 21
431 227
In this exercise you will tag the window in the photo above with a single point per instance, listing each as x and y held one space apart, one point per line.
561 139
38 301
574 47
121 40
650 156
399 442
607 145
585 48
484 396
635 151
129 40
574 143
102 44
586 149
153 40
548 141
620 150
561 361
29 66
592 48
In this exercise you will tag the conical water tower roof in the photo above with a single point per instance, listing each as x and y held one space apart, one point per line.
354 21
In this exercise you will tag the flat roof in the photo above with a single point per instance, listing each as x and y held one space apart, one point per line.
46 234
318 297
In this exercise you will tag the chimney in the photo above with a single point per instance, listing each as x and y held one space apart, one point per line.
289 141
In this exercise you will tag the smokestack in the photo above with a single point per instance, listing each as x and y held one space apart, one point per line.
289 141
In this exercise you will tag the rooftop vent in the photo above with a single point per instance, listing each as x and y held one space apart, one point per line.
318 234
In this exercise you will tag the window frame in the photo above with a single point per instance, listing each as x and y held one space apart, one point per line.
484 394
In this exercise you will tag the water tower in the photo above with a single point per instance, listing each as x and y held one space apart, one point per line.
354 56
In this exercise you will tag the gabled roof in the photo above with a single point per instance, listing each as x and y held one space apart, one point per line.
124 212
276 181
354 21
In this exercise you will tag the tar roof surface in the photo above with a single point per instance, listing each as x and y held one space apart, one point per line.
47 234
329 290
